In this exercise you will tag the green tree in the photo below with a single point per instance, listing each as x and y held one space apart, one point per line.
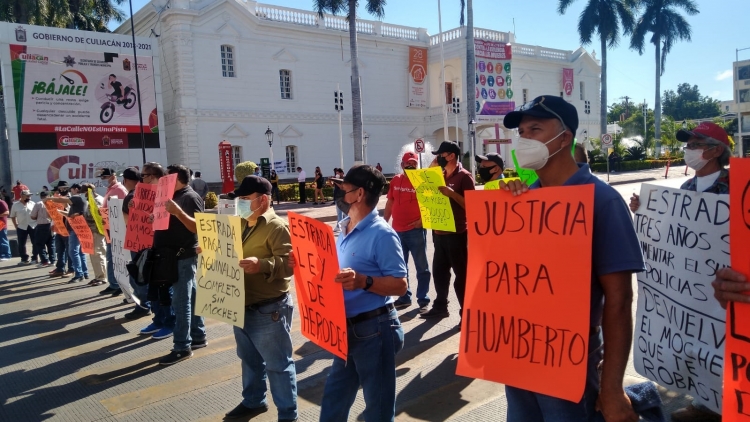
89 15
376 8
688 103
605 18
662 19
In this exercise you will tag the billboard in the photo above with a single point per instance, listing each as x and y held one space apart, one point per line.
417 77
493 81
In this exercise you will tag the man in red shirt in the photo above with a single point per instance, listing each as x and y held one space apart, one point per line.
17 189
407 221
450 248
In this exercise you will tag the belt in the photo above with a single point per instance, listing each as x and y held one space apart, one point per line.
364 316
265 302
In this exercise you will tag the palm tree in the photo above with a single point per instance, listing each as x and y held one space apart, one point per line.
603 17
376 8
90 15
661 18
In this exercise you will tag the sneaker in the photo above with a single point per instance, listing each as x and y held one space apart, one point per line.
175 356
4 259
163 333
435 313
138 312
86 276
151 329
117 292
34 261
402 304
44 264
244 412
75 280
424 307
56 273
108 291
198 344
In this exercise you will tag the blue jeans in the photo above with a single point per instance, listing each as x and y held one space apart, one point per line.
264 346
61 248
373 345
4 244
188 326
525 406
77 258
111 279
414 241
45 242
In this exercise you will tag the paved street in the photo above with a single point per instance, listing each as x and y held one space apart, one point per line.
67 353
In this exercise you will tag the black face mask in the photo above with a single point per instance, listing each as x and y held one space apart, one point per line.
343 205
442 161
484 173
410 167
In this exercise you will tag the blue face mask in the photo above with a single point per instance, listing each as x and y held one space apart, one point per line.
244 209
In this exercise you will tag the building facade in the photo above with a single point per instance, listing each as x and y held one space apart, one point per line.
233 69
741 85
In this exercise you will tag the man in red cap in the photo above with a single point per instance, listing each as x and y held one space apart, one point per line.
402 205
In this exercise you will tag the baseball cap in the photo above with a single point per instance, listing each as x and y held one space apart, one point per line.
26 192
703 130
43 194
131 173
366 177
61 184
106 172
446 146
250 185
545 107
409 156
494 157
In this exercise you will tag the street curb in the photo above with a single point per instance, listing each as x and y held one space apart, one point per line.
625 182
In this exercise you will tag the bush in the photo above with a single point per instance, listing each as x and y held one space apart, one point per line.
638 165
290 192
244 169
210 201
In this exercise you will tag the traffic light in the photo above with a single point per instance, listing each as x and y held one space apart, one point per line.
338 100
456 105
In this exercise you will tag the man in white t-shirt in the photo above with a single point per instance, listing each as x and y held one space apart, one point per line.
20 213
301 176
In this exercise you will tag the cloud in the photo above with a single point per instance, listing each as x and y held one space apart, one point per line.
716 95
720 76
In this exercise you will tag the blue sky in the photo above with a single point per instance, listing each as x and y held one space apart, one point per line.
706 61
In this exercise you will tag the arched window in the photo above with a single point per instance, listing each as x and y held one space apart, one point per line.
291 159
227 61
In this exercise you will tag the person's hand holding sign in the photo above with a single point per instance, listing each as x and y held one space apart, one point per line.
445 190
292 261
349 280
616 407
250 265
516 186
635 203
172 207
730 285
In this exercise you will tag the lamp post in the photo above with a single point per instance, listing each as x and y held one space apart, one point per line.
472 134
269 137
364 146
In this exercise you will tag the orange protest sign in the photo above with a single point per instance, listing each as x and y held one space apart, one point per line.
164 192
526 309
320 299
105 222
139 234
736 404
83 232
3 225
53 209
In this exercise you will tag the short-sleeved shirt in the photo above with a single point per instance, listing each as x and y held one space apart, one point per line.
116 189
42 216
3 210
460 181
372 248
178 236
22 213
17 189
612 223
404 208
117 87
77 204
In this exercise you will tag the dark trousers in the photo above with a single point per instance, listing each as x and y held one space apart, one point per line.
44 240
302 193
450 254
275 192
23 236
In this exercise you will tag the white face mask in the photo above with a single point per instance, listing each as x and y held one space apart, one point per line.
533 154
244 209
694 159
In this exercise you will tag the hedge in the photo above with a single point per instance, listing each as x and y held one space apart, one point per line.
637 165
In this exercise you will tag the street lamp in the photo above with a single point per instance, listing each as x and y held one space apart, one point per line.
472 134
269 137
364 144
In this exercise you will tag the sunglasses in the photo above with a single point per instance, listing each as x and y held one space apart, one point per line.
540 102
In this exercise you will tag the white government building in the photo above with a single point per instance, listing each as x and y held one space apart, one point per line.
231 69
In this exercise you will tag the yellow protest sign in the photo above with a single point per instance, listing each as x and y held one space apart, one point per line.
95 213
495 184
220 293
434 206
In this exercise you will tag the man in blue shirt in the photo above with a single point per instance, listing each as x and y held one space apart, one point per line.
372 270
546 127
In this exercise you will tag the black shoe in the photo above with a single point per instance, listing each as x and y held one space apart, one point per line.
75 280
138 312
198 344
435 313
288 420
117 292
175 356
242 411
402 305
108 291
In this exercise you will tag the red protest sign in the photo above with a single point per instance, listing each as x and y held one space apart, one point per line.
53 209
139 234
83 232
320 299
736 401
3 225
526 310
164 192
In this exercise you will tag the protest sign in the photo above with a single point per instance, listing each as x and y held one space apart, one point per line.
120 255
94 208
679 327
53 209
83 232
105 223
526 310
140 234
164 193
320 298
3 225
527 176
220 292
495 184
736 406
434 206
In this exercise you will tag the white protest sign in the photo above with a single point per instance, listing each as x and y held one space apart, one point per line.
120 255
679 328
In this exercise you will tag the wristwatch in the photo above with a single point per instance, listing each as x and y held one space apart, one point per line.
368 283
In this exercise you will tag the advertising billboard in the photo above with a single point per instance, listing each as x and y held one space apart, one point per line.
417 77
494 91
